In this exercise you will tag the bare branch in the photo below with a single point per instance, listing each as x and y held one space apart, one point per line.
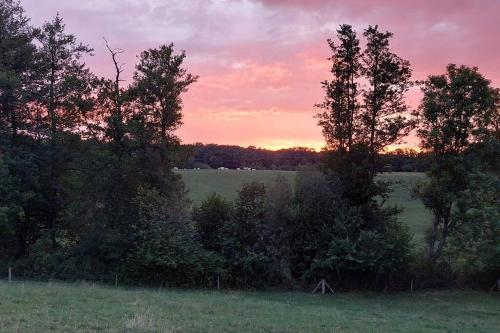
118 66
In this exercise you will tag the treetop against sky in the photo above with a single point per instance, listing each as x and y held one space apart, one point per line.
261 62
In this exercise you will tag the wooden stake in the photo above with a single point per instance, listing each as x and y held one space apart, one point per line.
218 283
330 288
316 287
10 274
411 286
324 285
496 285
116 280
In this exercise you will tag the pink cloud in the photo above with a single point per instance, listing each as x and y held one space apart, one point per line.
258 55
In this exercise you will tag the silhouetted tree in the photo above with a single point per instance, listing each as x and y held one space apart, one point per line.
64 91
356 221
114 103
456 112
17 66
389 76
159 82
340 120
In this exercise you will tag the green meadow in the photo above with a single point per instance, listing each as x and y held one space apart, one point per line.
202 183
86 307
56 307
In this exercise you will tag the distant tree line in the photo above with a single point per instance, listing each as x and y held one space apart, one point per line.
213 156
87 188
232 157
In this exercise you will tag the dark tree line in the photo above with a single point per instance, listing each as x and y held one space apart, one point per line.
87 188
232 157
457 122
206 156
83 158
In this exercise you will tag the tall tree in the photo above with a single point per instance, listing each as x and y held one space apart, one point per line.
389 78
64 92
340 120
357 127
11 211
17 76
17 59
458 109
456 112
113 101
65 76
159 82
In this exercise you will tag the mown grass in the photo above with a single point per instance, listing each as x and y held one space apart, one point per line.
201 183
56 307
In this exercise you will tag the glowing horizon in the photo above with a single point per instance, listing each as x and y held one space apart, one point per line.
261 62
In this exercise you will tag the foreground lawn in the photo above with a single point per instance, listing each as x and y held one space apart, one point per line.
55 307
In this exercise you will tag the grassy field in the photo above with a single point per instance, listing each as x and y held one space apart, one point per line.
414 214
84 307
202 183
54 307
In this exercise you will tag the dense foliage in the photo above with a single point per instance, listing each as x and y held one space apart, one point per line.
458 123
88 191
87 184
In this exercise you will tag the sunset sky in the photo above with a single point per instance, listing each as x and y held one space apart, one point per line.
261 62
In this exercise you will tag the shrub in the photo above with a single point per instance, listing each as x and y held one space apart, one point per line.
166 250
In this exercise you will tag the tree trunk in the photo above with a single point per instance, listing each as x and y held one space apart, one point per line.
438 241
51 218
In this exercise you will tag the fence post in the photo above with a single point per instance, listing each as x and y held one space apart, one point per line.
10 274
218 283
116 280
